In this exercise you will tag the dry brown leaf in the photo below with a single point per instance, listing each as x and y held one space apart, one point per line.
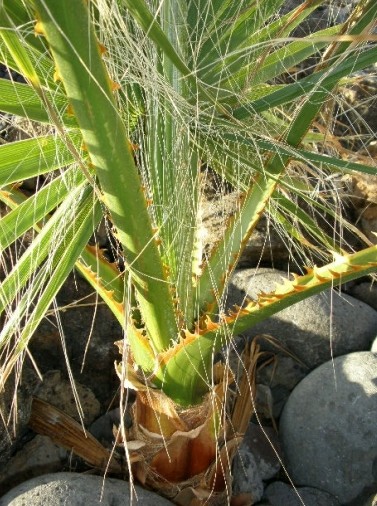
64 431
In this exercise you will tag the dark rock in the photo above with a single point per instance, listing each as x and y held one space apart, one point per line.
25 459
282 371
264 401
89 331
58 392
263 443
246 477
102 428
367 292
281 494
371 501
15 408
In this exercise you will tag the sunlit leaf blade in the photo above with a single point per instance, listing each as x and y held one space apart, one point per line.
17 49
22 100
236 71
320 80
37 300
106 279
33 157
281 60
290 214
297 153
234 25
37 207
29 262
174 180
142 14
99 272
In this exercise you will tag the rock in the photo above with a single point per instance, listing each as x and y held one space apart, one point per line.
364 197
281 376
364 190
38 456
263 443
232 356
280 395
328 428
102 428
371 501
367 292
246 477
75 489
15 410
283 371
281 494
374 346
314 330
357 104
327 14
90 330
58 392
264 401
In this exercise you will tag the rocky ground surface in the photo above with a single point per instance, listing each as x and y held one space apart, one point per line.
312 440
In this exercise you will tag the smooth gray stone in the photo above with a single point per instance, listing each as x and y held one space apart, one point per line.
328 428
316 329
73 489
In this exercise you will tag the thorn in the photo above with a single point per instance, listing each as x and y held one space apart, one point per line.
102 49
134 147
114 86
56 77
38 29
319 277
69 110
337 257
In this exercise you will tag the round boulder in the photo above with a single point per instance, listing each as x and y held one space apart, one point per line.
77 490
328 428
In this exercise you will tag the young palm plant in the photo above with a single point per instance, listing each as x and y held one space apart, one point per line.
140 95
